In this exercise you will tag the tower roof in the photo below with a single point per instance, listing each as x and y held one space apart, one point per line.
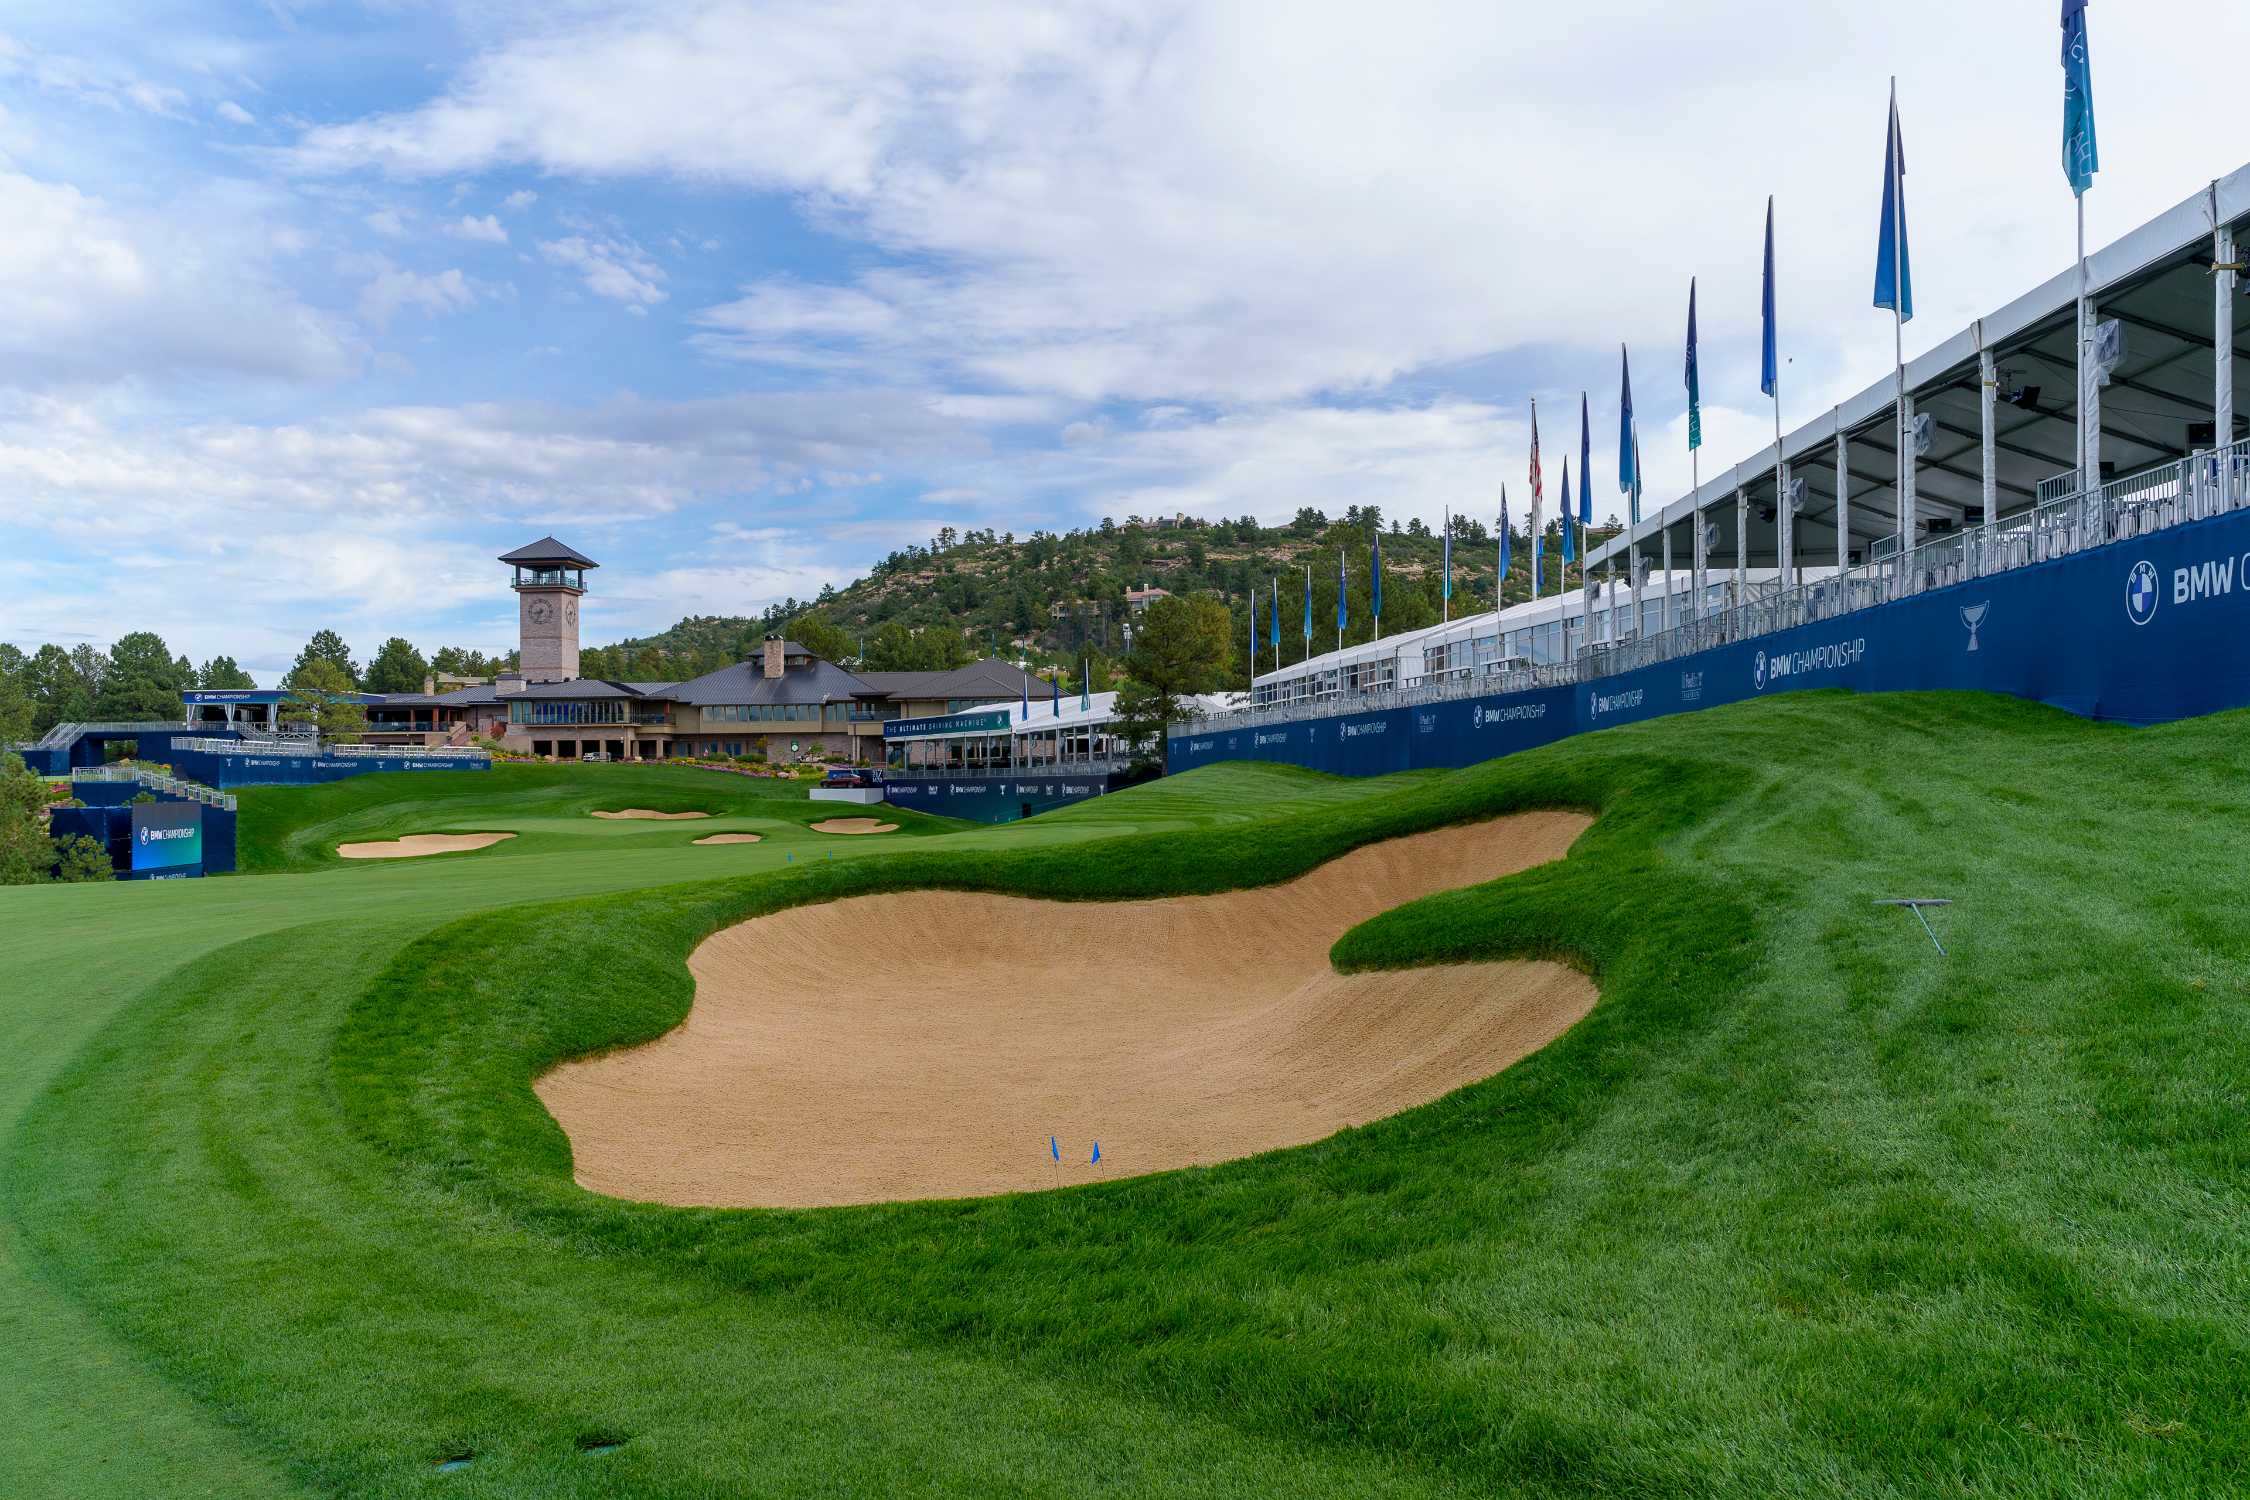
548 550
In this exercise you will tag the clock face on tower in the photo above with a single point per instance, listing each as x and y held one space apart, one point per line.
539 612
570 611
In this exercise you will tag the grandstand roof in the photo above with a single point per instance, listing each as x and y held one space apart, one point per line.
2155 281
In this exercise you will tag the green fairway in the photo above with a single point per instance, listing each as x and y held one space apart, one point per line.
1802 1208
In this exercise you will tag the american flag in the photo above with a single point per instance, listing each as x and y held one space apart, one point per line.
1537 499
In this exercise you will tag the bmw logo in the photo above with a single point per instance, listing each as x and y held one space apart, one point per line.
2140 593
1477 717
1759 670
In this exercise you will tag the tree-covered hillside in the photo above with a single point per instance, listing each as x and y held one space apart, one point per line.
1057 598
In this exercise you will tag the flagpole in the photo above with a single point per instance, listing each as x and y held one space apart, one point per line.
2078 408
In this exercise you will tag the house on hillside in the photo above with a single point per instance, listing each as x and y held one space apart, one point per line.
1138 600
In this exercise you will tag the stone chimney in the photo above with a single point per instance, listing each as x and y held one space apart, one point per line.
429 685
773 656
508 682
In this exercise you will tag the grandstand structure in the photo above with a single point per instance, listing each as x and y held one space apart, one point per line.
1975 554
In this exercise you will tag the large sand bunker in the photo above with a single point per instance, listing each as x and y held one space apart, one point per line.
731 838
853 825
925 1045
421 843
645 812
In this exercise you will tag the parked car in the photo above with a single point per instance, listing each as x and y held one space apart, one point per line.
852 776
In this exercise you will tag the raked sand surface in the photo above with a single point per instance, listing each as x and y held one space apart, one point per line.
415 844
644 812
926 1044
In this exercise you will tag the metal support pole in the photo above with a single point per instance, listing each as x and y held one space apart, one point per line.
1843 503
1988 377
1609 587
1741 542
1907 520
1701 582
2086 471
2222 342
1664 620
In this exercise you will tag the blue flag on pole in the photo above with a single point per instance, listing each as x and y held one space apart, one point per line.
1694 381
1086 686
1054 693
1567 553
1628 461
1097 1152
1375 581
1894 271
1273 624
1027 695
1445 591
2081 158
1585 463
1053 1149
1769 372
1308 611
1503 578
1343 596
1253 630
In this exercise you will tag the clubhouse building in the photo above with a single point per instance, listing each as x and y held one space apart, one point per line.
785 704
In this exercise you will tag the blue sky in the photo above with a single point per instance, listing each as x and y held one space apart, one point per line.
309 309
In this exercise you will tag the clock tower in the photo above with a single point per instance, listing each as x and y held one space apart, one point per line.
550 578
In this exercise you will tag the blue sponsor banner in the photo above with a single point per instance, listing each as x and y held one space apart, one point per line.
999 798
167 839
2137 632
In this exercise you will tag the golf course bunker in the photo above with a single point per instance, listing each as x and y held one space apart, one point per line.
926 1044
415 845
645 812
853 825
731 838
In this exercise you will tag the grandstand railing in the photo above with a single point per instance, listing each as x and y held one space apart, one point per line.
158 781
2194 488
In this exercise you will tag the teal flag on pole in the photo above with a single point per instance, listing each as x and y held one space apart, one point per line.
1894 271
2081 157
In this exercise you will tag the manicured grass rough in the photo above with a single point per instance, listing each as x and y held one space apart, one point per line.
1802 1208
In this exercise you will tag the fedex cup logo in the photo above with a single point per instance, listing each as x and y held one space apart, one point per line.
2140 593
1758 671
1972 615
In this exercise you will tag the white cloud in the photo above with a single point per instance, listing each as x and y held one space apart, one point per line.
471 227
613 268
385 221
233 113
394 288
89 292
1239 204
519 200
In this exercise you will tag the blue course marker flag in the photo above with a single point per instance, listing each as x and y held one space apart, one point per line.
1769 369
1097 1151
1894 270
1053 1149
2081 157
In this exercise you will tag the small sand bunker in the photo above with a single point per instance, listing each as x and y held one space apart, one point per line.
730 838
645 812
972 1027
416 844
854 825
